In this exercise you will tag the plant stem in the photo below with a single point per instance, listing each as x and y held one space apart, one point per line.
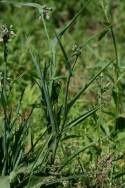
4 103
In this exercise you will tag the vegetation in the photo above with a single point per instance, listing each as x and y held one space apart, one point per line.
62 120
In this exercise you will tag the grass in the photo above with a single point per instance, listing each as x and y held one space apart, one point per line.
62 94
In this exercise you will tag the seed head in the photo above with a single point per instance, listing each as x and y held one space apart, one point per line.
6 33
46 12
76 50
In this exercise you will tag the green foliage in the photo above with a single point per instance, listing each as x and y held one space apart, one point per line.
4 182
61 94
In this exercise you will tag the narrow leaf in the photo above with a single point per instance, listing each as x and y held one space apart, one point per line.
84 88
45 90
80 119
75 154
66 61
102 34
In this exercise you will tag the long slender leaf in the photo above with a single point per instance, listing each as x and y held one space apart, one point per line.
72 21
84 88
80 119
66 61
21 4
43 153
75 154
52 182
21 136
42 84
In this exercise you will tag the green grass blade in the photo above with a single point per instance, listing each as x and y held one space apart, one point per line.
84 88
37 141
66 61
43 153
21 4
80 119
75 154
22 133
60 34
47 97
73 20
62 179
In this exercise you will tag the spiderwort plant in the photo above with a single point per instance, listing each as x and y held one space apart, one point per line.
56 112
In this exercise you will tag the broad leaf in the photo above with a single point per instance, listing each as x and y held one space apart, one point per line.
4 182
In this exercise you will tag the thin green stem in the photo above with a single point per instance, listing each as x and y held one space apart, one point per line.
4 103
116 67
66 95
